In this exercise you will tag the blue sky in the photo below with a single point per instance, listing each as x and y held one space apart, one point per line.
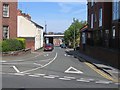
58 15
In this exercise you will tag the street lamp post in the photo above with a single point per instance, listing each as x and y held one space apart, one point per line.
74 33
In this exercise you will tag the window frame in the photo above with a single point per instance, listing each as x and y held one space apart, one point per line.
100 17
8 11
92 20
8 35
113 32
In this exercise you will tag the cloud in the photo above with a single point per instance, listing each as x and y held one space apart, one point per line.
73 8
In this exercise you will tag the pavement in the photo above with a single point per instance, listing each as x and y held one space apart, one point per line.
113 72
54 69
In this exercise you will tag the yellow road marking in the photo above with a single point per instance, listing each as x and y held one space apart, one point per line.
101 72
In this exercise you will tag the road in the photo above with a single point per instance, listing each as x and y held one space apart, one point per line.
56 69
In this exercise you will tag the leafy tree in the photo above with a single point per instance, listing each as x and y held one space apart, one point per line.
69 33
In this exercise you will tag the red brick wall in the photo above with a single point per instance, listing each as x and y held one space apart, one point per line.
11 21
0 21
30 44
108 56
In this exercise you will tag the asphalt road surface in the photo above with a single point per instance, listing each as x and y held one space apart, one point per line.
55 69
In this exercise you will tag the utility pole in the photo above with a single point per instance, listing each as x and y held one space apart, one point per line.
45 28
74 33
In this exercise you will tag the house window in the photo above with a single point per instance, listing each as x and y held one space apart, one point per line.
100 17
116 11
5 32
113 32
5 10
91 20
92 3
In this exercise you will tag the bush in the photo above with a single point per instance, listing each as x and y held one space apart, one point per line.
0 46
22 41
11 45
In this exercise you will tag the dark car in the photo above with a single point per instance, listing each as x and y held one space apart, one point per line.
63 46
48 47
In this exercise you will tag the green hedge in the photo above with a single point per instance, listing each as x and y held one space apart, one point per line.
22 41
12 45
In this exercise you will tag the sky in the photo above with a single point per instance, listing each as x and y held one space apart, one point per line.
57 15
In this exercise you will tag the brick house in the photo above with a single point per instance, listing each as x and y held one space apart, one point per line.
9 20
103 42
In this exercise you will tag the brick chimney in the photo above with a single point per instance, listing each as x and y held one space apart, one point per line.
27 16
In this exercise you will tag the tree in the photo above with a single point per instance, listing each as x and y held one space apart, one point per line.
69 33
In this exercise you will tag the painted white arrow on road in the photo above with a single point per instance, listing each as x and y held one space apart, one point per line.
73 70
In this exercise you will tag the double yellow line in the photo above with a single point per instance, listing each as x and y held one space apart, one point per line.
102 73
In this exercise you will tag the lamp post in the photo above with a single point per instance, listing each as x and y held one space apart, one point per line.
74 33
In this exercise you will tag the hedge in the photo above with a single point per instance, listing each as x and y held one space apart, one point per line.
22 41
12 45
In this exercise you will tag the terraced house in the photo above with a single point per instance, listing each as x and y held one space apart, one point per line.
8 15
103 35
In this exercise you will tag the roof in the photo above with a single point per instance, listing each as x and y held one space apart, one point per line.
37 25
84 28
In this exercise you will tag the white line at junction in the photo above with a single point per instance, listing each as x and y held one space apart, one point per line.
16 69
40 66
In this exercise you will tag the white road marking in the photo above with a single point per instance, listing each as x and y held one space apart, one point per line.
82 80
65 54
39 74
49 77
40 66
54 75
33 75
16 69
65 78
2 61
74 70
19 74
69 77
88 79
103 82
47 55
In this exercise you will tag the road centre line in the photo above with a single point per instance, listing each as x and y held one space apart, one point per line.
40 67
16 69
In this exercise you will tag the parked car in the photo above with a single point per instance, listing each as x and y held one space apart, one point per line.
63 46
48 47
